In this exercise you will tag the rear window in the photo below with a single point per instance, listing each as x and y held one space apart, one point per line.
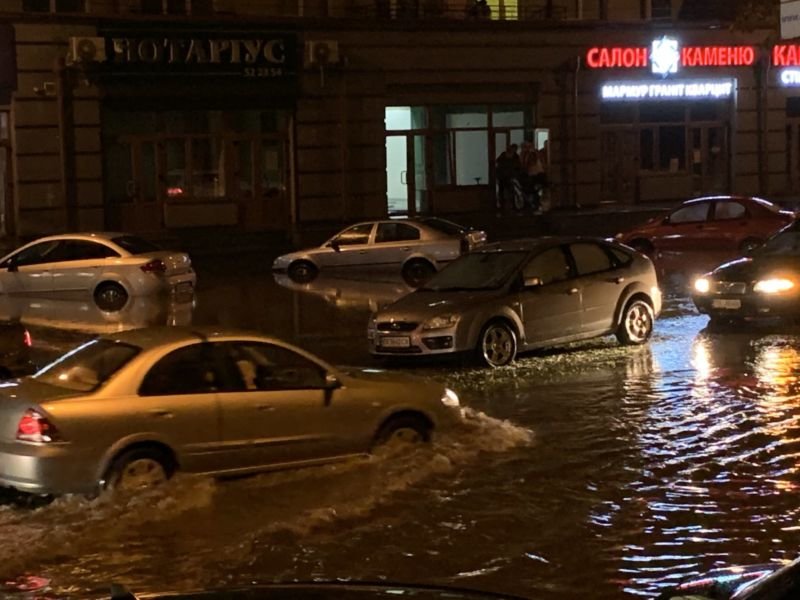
135 245
767 204
445 226
88 366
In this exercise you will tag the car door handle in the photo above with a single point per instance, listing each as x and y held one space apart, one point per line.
406 248
617 279
161 413
572 291
265 407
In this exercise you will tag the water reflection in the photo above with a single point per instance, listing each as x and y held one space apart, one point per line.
81 314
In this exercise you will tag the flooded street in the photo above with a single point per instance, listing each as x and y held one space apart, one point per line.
594 471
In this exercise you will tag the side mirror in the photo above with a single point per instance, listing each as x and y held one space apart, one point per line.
532 282
13 267
335 245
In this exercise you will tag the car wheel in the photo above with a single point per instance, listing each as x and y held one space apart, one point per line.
139 469
497 345
110 296
643 246
749 244
417 271
404 429
302 271
636 326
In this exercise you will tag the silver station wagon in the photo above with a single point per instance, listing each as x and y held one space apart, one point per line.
127 411
110 266
418 247
513 296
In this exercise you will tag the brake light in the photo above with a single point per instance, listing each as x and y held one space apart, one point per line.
33 427
154 266
27 339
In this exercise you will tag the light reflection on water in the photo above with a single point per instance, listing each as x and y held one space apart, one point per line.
649 464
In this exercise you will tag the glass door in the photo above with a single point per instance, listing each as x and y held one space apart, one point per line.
619 165
709 158
406 175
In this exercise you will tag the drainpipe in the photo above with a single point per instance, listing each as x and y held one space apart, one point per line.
66 145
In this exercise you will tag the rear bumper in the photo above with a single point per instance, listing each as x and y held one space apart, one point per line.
153 284
44 469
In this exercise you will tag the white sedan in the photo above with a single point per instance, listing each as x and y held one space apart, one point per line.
111 266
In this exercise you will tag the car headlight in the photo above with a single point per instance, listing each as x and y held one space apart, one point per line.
450 398
773 286
441 322
702 285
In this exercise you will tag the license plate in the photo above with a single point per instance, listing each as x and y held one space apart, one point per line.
396 342
726 304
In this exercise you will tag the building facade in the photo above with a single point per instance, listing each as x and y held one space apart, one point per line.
150 115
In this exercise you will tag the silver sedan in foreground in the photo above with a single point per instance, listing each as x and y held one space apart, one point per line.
418 247
514 296
111 266
127 411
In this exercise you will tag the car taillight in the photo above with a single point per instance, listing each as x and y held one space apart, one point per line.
154 266
27 339
33 427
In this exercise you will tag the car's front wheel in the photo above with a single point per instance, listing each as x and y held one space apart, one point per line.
138 469
497 345
636 325
302 271
404 429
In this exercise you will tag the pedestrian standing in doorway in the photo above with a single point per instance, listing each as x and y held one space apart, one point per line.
507 169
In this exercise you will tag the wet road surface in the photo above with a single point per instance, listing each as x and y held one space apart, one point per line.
593 471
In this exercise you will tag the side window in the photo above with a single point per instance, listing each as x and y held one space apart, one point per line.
396 232
81 250
265 367
724 211
357 234
549 266
590 258
690 214
33 255
188 370
621 257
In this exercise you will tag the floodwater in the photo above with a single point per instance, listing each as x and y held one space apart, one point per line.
592 471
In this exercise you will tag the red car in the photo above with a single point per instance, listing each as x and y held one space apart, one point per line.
723 223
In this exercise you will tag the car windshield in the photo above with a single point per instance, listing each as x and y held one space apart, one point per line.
88 366
785 243
444 226
135 245
477 271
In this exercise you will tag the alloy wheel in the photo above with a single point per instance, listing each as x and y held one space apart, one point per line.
638 323
141 473
498 345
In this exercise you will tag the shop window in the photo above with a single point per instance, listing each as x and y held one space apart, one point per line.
662 112
459 117
618 114
793 107
704 111
208 168
401 118
646 149
672 147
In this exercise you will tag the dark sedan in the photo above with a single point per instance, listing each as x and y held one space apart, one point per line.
760 582
765 284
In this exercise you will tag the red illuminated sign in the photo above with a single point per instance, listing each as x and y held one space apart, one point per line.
690 56
609 58
718 56
786 55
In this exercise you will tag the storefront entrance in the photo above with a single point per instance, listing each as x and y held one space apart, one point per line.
196 168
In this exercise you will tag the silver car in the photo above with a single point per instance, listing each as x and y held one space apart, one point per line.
128 410
111 266
419 247
515 296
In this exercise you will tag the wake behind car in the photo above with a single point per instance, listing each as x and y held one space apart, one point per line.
734 224
419 247
514 296
111 266
765 284
128 410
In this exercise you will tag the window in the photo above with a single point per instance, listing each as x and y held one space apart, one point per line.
65 6
549 266
672 147
33 255
80 250
620 256
729 210
590 258
88 366
188 370
661 9
357 234
396 232
266 367
690 214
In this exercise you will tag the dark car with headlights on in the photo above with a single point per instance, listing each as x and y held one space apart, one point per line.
765 284
515 296
757 582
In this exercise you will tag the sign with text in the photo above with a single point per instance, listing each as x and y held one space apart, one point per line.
236 55
689 89
790 19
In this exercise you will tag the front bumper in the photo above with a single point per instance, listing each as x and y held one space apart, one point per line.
748 306
418 342
45 469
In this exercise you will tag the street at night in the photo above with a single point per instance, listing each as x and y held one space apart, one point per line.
593 470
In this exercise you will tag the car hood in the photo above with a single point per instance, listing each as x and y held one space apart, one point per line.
722 584
424 304
751 268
